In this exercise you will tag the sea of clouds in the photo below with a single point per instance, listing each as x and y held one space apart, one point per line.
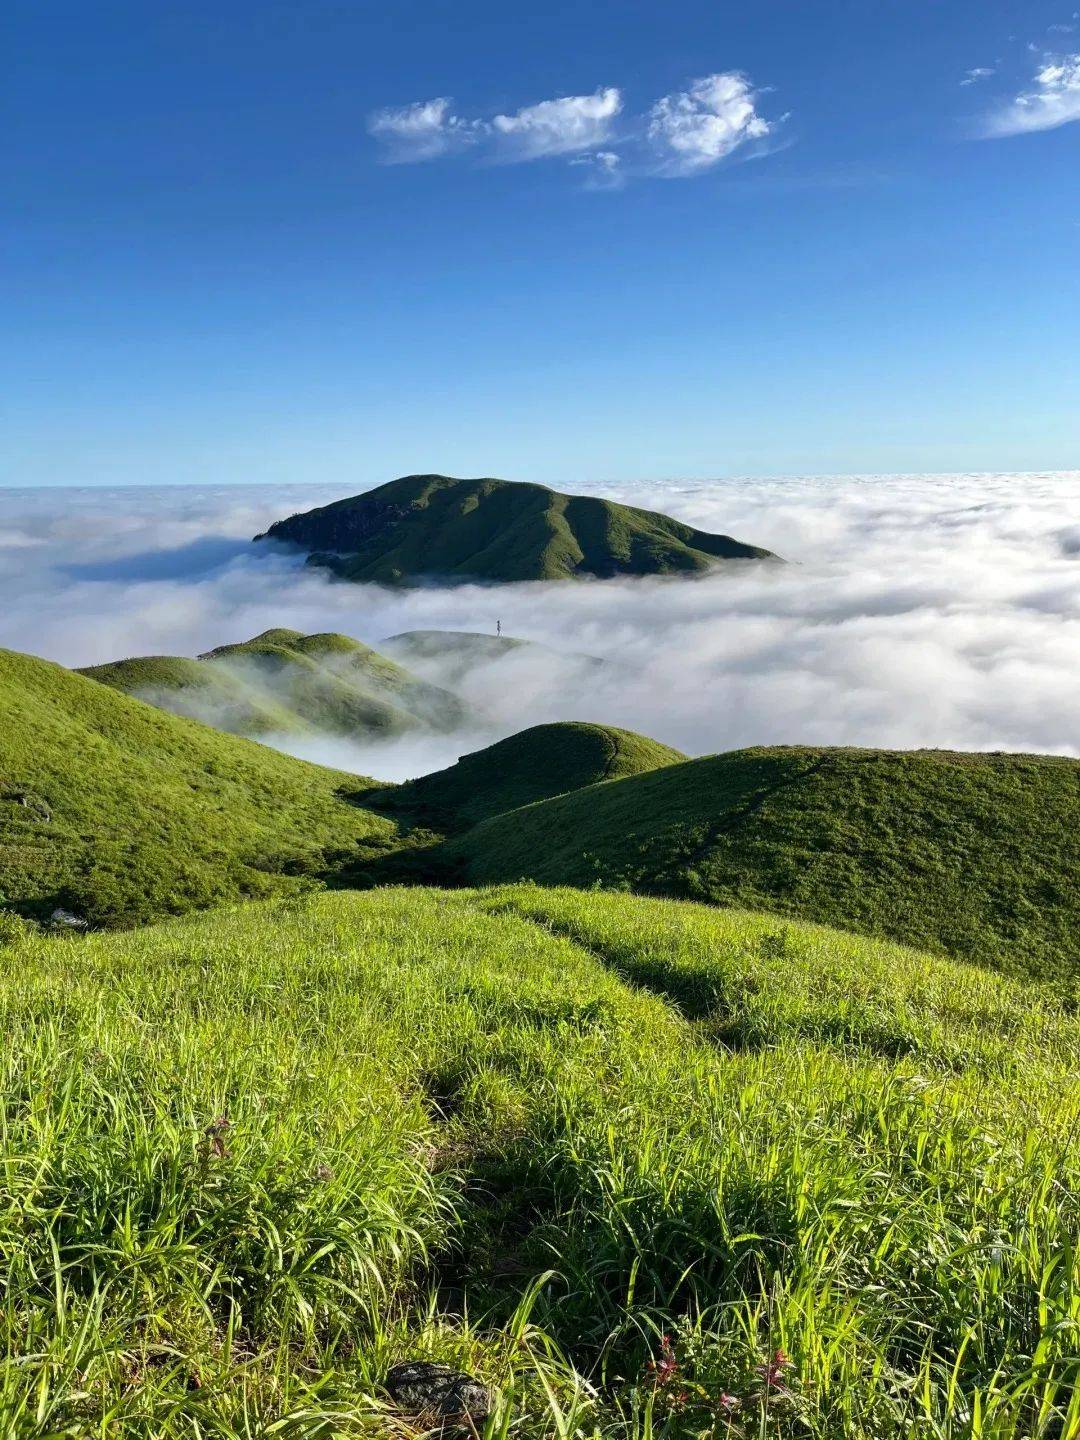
916 611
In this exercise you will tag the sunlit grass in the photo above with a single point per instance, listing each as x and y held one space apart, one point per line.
252 1159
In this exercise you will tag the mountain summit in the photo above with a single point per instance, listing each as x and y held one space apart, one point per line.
434 527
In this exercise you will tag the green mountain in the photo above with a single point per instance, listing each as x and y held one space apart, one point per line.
283 682
120 812
641 1167
433 527
973 855
533 765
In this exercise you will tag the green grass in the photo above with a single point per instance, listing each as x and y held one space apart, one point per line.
534 764
436 527
120 812
283 682
971 855
251 1159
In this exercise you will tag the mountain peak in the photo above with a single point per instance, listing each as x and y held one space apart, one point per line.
438 527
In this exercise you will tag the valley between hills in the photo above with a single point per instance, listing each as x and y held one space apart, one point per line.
617 1092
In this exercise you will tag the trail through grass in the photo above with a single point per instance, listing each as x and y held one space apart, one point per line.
975 856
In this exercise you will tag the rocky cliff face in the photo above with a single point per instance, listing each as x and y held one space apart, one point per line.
338 528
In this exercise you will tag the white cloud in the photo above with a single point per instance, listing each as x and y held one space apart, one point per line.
682 134
429 129
694 129
604 167
923 611
565 126
422 131
980 72
1053 100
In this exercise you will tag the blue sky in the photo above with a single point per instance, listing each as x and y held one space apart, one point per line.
323 240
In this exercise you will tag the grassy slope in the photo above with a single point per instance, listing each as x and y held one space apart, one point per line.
438 527
542 761
284 682
122 812
974 855
240 1152
200 691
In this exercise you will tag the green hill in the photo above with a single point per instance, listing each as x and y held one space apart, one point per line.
119 812
451 655
642 1167
973 855
201 692
466 646
283 682
434 527
533 765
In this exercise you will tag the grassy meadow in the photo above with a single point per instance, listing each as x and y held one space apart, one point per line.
646 1167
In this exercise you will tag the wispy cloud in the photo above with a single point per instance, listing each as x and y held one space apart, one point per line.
566 126
682 134
425 130
696 128
429 129
604 170
1053 99
980 72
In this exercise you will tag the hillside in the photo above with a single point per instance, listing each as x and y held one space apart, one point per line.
283 682
120 812
434 527
640 1167
199 691
468 646
972 855
452 656
534 764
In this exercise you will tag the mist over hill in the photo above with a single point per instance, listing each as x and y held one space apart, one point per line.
282 684
917 611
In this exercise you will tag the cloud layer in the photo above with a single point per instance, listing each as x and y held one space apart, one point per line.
920 611
682 134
